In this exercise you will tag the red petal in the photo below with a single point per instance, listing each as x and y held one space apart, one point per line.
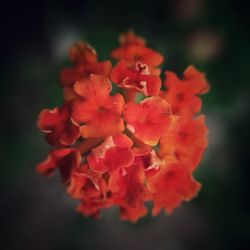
148 120
118 158
133 53
132 214
69 76
128 77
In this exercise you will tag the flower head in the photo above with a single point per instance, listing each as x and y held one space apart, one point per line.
130 145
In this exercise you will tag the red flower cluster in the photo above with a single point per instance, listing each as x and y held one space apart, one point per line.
127 148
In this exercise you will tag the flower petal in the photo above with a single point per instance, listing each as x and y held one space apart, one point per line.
148 120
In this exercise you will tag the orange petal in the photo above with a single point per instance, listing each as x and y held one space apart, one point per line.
96 87
118 158
103 125
148 120
133 53
128 77
132 214
69 76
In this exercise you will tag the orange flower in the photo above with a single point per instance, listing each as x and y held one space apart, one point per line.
114 153
65 160
149 120
138 78
128 148
172 185
133 50
69 76
85 184
186 143
127 185
100 112
57 126
129 192
182 94
85 59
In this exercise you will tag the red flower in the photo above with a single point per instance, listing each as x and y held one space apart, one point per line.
186 143
127 185
69 76
65 160
85 184
100 112
127 190
138 78
182 94
114 153
172 185
125 149
133 50
148 120
85 59
132 214
57 126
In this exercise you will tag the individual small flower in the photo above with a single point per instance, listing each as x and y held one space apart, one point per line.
183 94
186 143
85 184
148 120
114 153
69 76
136 77
172 185
65 160
99 112
127 190
127 185
133 205
133 49
57 126
85 59
135 189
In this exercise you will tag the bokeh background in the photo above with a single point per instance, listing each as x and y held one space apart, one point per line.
213 35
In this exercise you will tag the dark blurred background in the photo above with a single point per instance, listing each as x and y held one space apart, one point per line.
213 35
